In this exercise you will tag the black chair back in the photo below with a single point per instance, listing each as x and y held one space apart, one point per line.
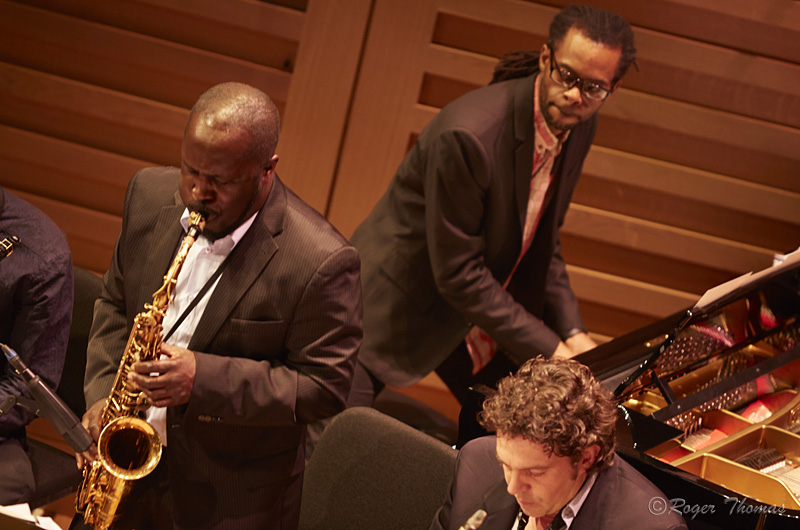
371 471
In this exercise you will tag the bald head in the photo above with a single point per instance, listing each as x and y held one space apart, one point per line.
231 106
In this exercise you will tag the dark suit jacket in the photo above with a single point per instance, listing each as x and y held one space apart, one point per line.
35 303
35 315
619 498
275 350
439 244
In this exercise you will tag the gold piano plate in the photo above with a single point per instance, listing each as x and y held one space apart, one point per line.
742 480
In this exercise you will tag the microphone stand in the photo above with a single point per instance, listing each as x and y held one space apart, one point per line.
9 402
51 406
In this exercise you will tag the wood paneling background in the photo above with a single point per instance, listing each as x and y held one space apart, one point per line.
693 178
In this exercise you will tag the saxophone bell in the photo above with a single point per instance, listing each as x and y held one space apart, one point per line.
129 448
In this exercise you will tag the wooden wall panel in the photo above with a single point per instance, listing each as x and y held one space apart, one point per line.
692 178
322 92
95 90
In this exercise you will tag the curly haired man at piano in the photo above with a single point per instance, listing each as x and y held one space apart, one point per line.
551 464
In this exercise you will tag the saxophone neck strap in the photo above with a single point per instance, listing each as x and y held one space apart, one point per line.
199 296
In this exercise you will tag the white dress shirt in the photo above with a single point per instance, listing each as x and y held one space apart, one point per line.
201 262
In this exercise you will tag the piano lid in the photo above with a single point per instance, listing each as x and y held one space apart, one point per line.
733 316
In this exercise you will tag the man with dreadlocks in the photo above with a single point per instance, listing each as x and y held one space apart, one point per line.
552 463
461 257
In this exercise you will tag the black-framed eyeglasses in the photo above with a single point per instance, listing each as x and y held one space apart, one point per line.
567 79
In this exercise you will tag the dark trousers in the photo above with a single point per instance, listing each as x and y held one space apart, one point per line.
471 389
456 372
17 484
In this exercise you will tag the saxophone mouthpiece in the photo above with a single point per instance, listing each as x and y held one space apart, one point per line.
475 521
197 222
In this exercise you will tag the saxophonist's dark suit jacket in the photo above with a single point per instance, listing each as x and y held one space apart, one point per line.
275 349
619 499
439 244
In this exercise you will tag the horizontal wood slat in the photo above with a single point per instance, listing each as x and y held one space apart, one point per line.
719 78
91 115
693 184
66 172
701 138
253 31
657 239
654 253
94 91
616 291
122 60
686 213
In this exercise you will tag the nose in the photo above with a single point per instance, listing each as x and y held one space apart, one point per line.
573 94
201 190
514 483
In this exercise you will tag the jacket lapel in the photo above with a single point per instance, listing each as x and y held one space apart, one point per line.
245 264
595 513
167 234
523 156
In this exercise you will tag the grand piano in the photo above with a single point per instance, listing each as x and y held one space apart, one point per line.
709 402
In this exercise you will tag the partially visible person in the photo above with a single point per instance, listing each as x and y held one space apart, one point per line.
551 464
461 258
35 316
267 349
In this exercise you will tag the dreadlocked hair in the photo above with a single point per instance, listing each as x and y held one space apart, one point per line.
514 65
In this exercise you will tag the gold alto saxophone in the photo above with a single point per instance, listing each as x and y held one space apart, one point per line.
129 448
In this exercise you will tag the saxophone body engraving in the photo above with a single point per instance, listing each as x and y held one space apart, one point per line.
129 448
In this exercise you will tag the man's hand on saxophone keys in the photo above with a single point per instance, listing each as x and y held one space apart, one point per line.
91 422
168 381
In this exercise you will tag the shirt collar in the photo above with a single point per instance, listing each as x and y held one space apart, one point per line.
544 138
570 511
224 245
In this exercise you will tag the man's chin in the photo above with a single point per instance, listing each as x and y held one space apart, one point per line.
563 122
562 125
531 509
213 235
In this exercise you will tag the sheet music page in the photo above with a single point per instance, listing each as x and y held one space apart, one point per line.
781 262
23 513
718 292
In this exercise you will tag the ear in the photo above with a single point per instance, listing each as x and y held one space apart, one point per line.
616 86
273 162
268 172
588 457
544 56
